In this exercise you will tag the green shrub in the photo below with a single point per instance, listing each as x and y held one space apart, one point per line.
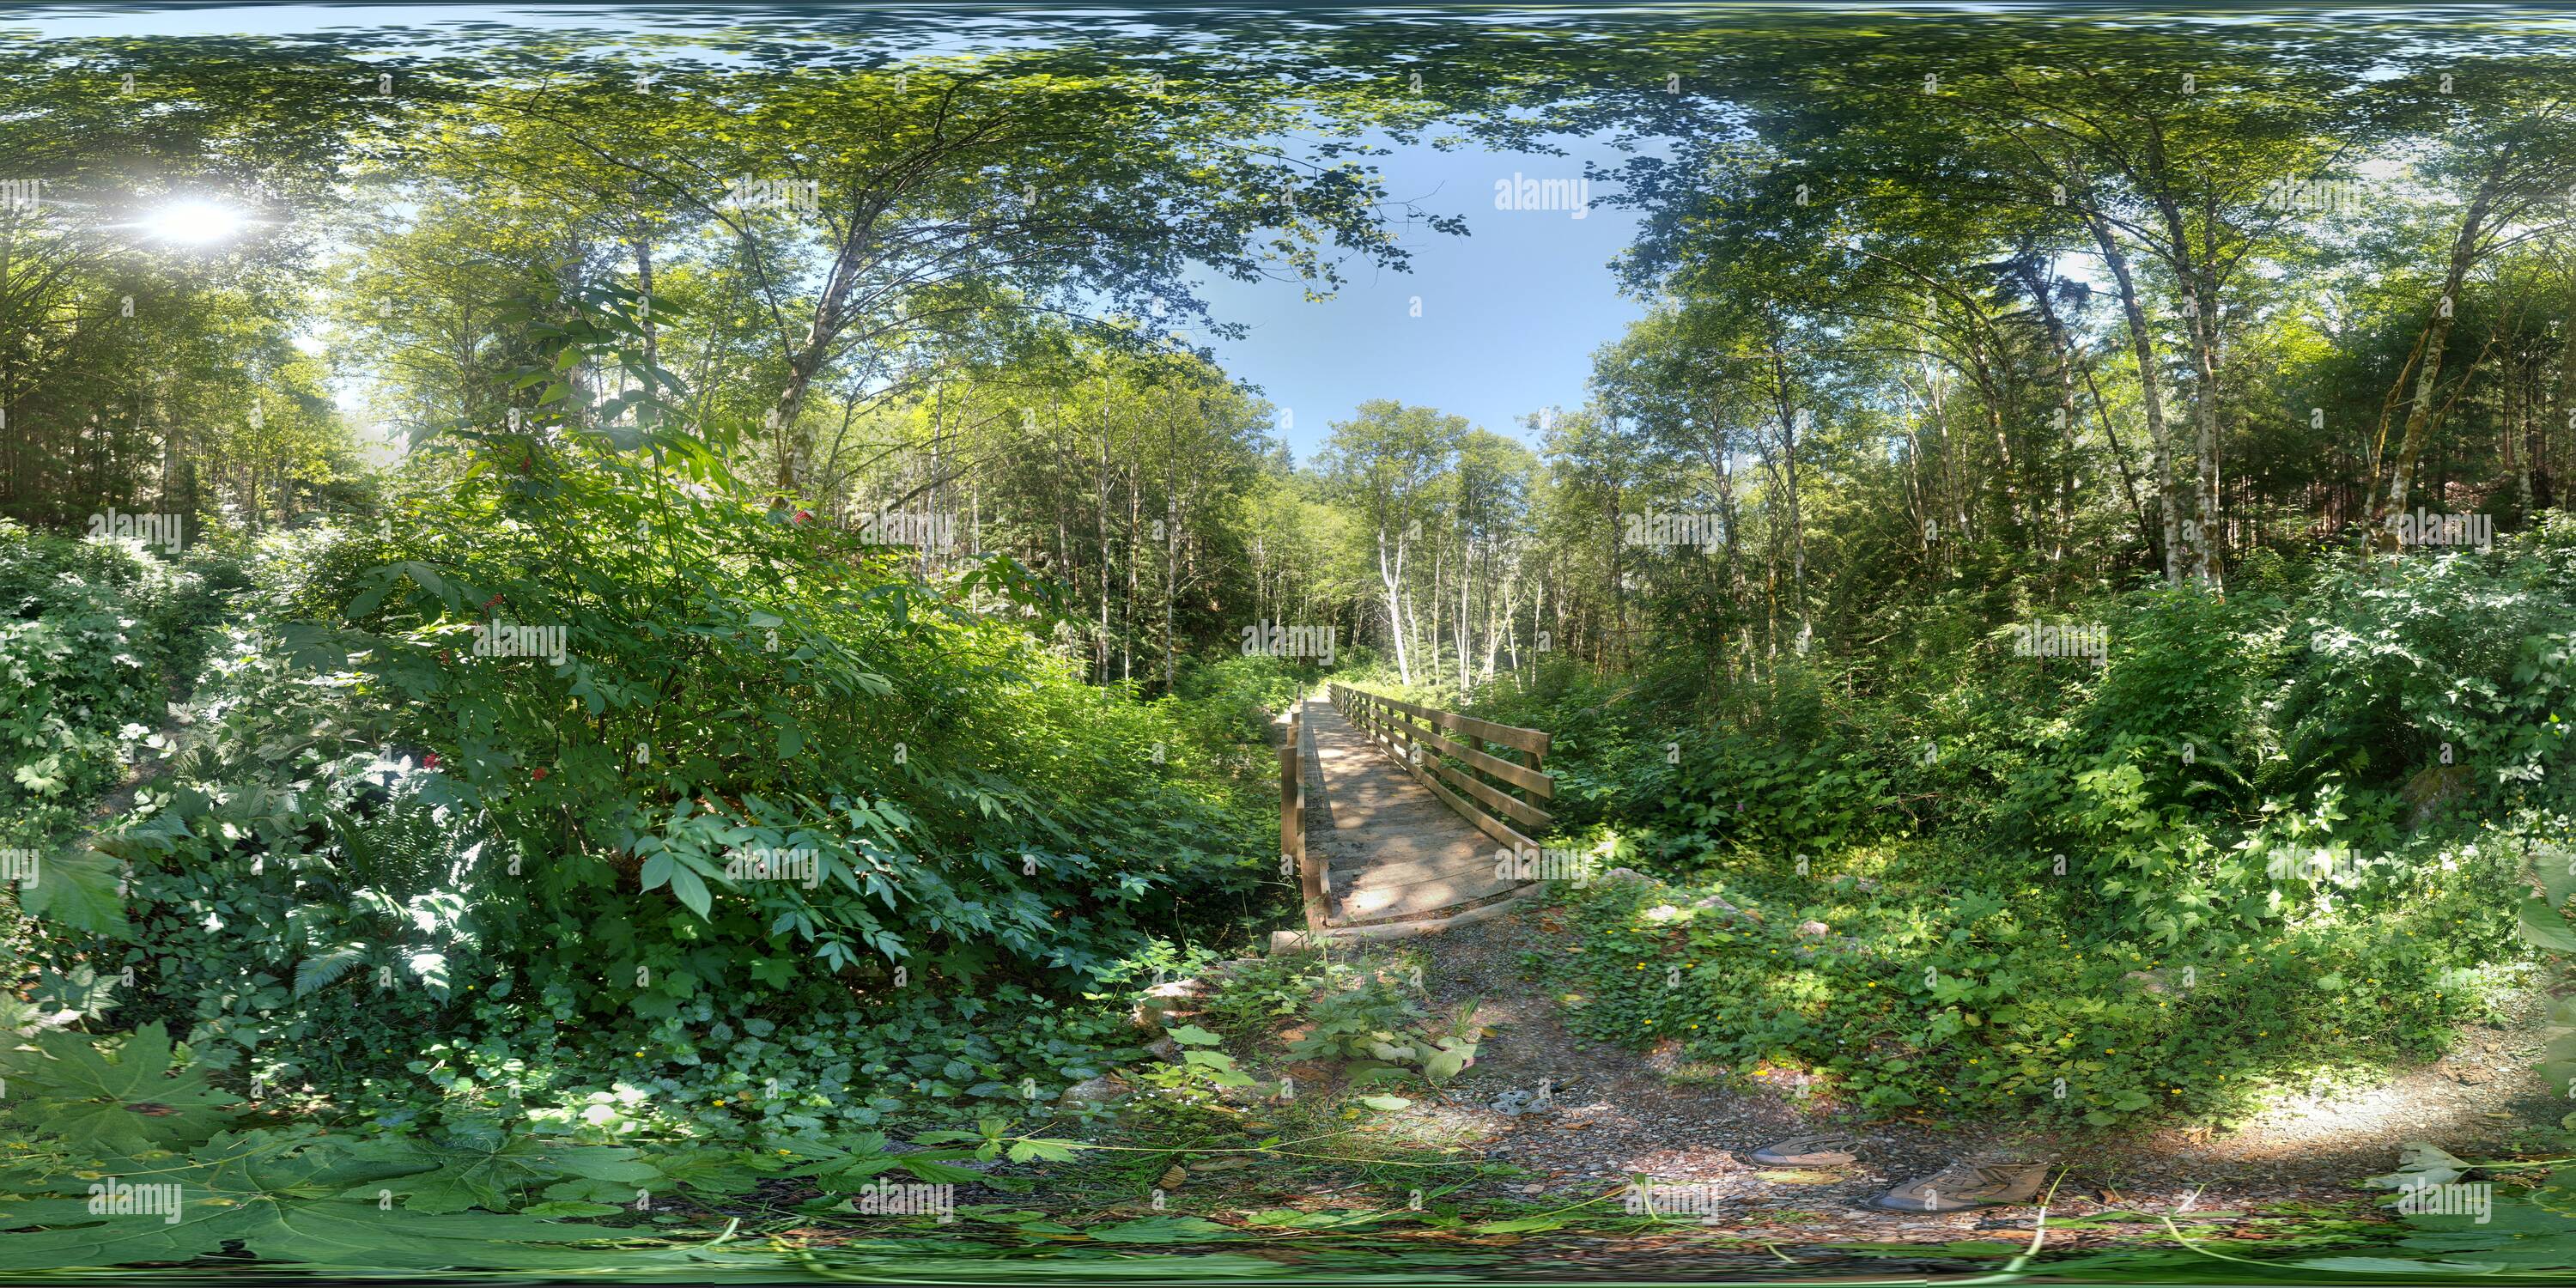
1977 1002
772 774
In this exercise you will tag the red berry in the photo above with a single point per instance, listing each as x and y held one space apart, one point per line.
429 761
539 773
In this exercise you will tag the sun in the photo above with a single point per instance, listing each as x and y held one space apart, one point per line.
194 223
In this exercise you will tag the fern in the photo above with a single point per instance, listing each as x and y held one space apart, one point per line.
313 974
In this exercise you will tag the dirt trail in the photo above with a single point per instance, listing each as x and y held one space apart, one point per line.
1616 1114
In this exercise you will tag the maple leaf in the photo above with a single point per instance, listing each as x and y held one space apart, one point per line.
123 1101
489 1169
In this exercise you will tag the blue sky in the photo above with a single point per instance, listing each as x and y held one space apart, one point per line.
1510 313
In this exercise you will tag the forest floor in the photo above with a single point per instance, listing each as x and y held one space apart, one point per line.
1615 1114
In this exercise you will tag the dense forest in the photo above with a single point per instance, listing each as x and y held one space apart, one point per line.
620 637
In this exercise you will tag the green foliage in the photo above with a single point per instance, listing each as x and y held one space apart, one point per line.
124 1154
2306 800
124 1098
268 1193
93 636
1200 1078
1353 1013
1977 1001
772 775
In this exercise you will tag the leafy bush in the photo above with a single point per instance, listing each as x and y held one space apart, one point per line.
2306 799
93 637
1976 1003
88 1114
762 770
1359 1013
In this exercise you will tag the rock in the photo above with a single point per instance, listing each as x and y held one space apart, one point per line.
1616 875
1095 1091
1165 1002
1533 1189
1225 1164
1171 1178
1661 912
1717 901
1173 995
1165 1050
1814 929
2150 981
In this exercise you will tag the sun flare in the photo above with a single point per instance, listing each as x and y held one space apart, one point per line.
194 223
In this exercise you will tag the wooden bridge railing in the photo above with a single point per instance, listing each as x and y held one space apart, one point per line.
1292 822
1406 730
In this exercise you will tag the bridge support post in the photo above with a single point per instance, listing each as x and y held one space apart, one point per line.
1292 822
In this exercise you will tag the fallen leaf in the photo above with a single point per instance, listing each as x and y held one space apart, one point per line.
1171 1179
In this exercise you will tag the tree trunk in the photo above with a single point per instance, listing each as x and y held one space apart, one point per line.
1394 604
2437 334
2142 346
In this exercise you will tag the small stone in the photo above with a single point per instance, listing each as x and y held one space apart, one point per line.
1814 929
1171 1178
1661 912
1095 1091
1616 875
1533 1189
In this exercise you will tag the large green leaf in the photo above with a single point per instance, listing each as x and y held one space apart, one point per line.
490 1170
109 1102
2556 867
271 1194
1162 1229
2542 925
78 892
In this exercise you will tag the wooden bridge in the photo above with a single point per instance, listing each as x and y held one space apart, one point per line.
1396 817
